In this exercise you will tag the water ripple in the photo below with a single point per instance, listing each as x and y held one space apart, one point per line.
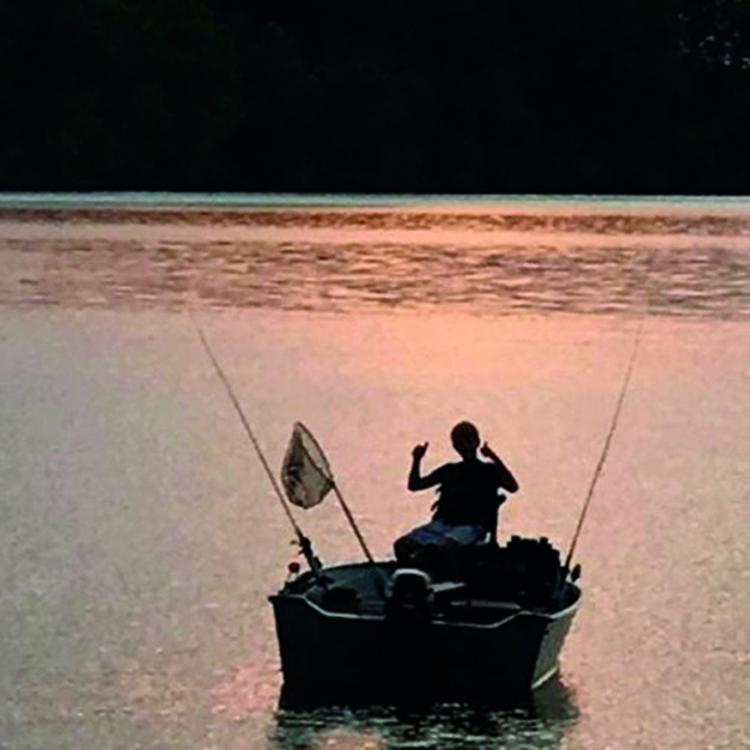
667 263
706 281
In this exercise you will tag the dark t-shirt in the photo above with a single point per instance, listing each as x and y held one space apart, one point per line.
468 493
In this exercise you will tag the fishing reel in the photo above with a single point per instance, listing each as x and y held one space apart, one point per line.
305 548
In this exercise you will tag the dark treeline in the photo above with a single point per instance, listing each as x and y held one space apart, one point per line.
635 96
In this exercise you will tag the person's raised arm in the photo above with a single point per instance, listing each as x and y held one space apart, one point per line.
416 480
506 480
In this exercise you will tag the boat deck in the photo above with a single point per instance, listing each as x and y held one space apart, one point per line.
361 588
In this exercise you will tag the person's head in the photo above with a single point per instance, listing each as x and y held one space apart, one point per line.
465 439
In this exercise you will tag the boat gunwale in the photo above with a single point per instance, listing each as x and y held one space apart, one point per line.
548 675
547 616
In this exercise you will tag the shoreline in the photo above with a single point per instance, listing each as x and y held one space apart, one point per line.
135 200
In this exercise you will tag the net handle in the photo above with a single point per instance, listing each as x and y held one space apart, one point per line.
327 473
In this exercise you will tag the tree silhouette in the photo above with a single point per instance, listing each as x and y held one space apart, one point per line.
504 96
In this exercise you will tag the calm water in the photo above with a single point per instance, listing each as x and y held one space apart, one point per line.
139 539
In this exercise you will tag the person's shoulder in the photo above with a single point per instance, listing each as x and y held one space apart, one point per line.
447 469
490 468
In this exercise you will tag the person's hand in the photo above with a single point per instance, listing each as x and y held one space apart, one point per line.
419 451
486 451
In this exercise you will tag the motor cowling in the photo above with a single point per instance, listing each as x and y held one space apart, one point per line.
408 630
410 593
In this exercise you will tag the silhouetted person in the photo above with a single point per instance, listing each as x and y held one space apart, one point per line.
469 496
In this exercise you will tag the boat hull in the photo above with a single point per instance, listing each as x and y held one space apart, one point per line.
354 657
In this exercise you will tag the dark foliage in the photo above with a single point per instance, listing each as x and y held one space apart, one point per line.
639 96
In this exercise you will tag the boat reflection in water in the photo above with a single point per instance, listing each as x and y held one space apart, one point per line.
540 719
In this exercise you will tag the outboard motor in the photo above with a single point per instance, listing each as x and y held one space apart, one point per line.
411 590
408 632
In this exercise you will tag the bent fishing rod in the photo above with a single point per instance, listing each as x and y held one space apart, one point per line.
304 543
605 450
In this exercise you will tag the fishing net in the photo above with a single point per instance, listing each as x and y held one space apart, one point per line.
305 473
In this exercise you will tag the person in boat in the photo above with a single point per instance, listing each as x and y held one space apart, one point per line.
469 495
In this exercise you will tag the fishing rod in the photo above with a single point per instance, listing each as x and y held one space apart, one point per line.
605 450
304 543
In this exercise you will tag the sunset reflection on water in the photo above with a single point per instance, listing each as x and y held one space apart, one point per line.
505 260
140 539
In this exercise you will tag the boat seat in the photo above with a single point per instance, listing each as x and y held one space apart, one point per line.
485 604
448 586
371 607
444 591
340 599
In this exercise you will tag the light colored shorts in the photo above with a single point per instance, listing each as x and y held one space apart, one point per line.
437 532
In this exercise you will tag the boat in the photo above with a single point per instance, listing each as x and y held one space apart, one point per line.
487 631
